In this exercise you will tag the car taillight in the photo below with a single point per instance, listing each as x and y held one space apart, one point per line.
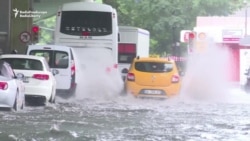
73 69
3 85
175 78
111 68
108 69
115 66
41 76
130 77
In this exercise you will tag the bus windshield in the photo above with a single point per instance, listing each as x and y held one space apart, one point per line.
86 23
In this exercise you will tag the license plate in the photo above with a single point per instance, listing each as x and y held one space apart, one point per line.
26 80
152 92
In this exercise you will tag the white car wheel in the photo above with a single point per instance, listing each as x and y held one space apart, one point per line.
23 104
15 106
53 97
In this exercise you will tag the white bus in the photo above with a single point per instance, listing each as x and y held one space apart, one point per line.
91 30
87 25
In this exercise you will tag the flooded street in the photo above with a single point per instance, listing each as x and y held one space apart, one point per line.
208 109
126 118
206 51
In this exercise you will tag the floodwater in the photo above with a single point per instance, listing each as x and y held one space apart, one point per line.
124 118
208 109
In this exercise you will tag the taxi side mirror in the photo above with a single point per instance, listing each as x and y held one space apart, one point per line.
125 70
181 73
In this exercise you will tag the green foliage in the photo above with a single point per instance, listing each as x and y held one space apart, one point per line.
47 30
166 18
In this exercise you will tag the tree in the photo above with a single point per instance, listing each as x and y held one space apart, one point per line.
166 18
47 32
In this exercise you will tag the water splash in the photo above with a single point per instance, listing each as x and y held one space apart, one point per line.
96 76
207 74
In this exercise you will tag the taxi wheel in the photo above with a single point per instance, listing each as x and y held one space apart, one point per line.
123 92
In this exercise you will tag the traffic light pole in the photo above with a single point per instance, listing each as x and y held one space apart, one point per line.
35 34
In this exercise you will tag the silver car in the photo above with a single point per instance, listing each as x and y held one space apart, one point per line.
11 88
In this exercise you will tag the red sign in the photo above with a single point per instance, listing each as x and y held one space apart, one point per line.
24 37
185 35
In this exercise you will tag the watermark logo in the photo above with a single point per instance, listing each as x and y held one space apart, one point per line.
15 12
28 13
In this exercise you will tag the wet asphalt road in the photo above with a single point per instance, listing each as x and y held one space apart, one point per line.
124 118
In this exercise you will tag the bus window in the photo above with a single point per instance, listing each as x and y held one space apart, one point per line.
88 23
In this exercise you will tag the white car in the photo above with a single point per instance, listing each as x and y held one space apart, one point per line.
39 81
11 88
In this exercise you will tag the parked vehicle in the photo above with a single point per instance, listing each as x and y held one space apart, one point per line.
60 60
38 80
133 41
153 77
11 88
97 30
94 38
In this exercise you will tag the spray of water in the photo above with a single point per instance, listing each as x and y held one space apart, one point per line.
96 76
206 79
207 74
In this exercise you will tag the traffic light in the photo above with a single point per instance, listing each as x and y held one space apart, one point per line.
191 41
192 36
35 34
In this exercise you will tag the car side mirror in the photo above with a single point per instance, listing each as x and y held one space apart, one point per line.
125 70
182 73
55 72
19 76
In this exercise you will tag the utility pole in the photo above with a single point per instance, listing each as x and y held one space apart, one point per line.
246 15
174 41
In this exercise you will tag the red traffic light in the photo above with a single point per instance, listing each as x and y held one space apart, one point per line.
35 29
191 35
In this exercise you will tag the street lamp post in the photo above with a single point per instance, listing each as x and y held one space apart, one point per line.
246 13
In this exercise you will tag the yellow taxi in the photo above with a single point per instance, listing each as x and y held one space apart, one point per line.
153 77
